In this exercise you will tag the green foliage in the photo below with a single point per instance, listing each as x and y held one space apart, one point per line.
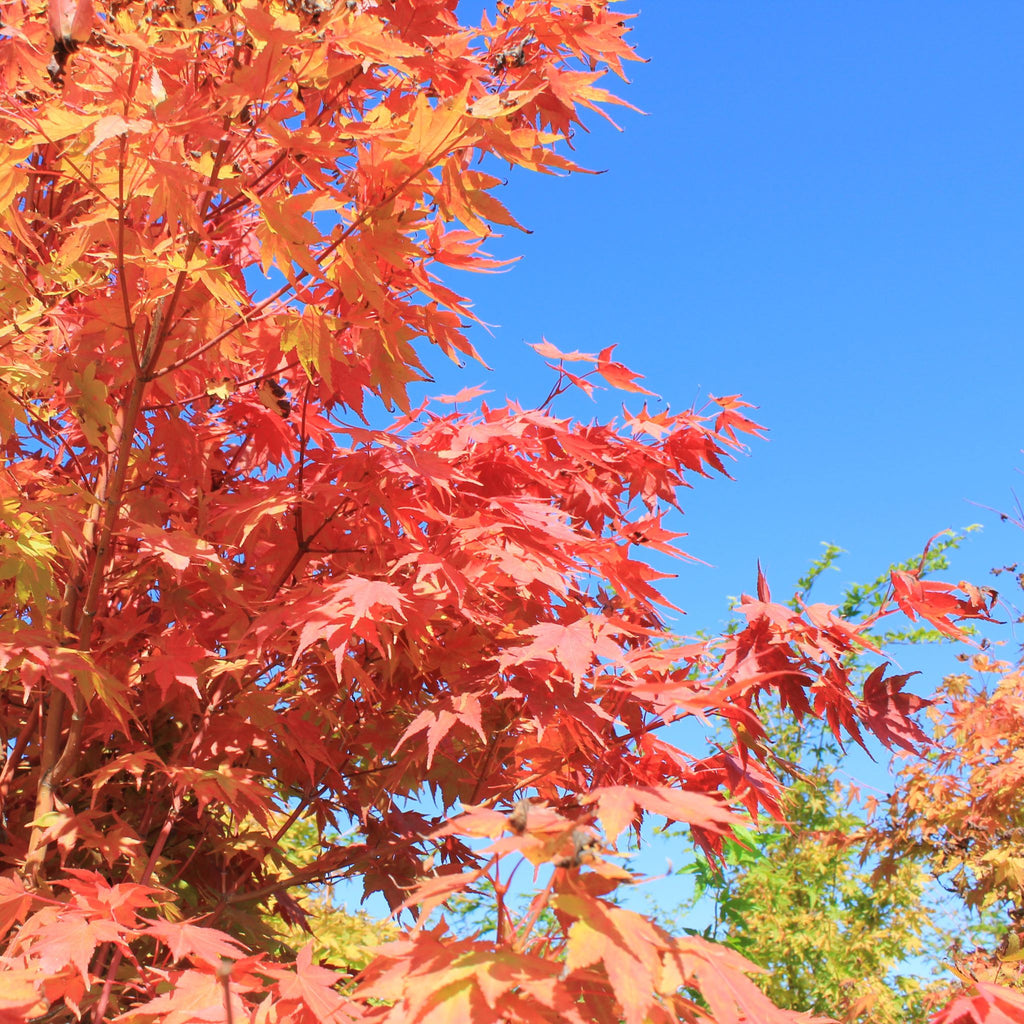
340 939
26 555
796 900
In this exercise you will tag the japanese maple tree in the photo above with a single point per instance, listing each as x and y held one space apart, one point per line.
237 602
959 813
800 897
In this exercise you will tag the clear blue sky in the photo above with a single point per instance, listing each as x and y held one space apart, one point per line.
822 209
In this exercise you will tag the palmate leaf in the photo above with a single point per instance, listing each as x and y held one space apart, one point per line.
983 1003
15 901
184 939
621 806
936 602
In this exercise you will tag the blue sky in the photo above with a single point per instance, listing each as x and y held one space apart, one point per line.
820 208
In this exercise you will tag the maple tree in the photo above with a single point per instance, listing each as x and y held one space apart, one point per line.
958 813
796 897
833 907
235 606
796 900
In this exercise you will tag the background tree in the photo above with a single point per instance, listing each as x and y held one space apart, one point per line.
795 896
838 934
236 603
958 811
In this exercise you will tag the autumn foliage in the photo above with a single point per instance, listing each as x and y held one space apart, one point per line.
247 585
961 814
